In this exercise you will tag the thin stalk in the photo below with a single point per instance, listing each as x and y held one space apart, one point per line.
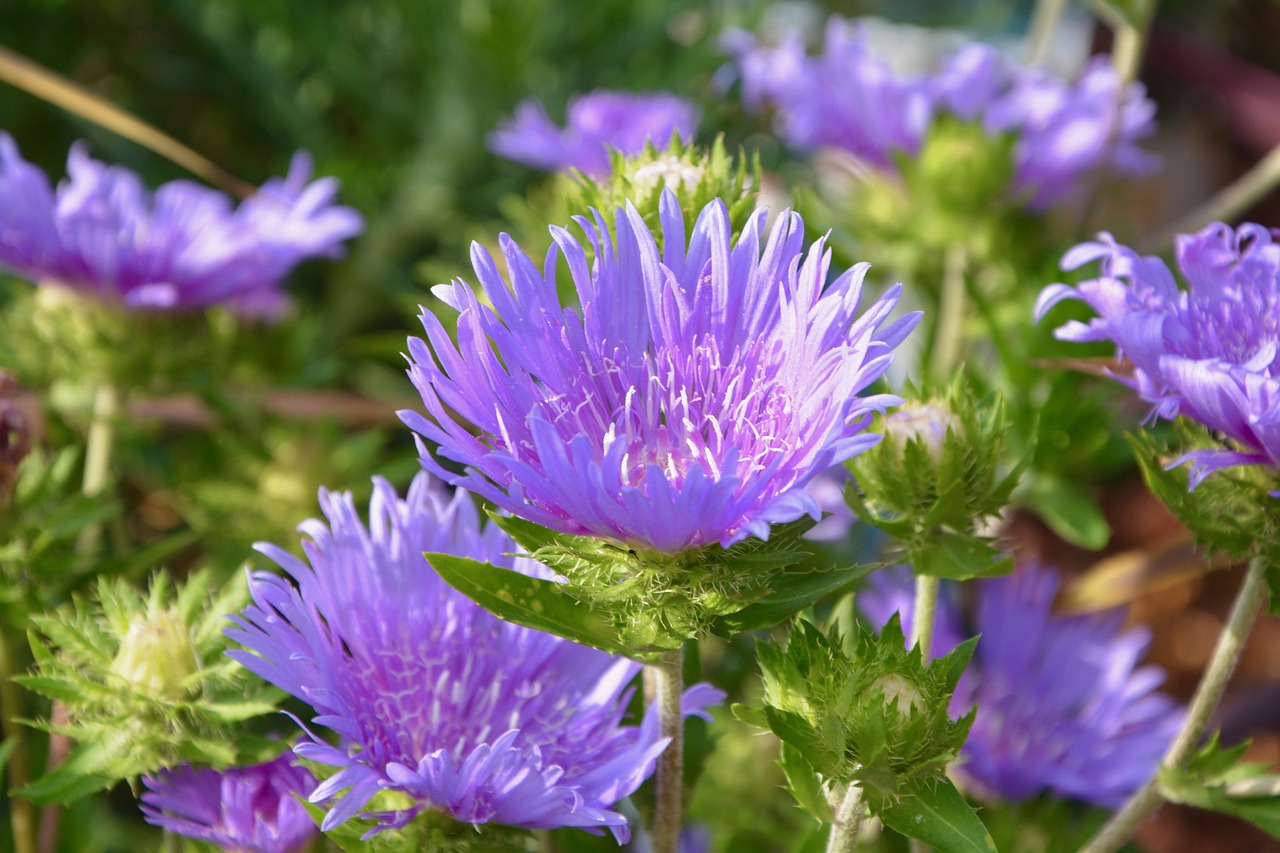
948 335
1226 655
97 456
923 614
669 778
1044 21
844 829
172 842
1229 203
21 813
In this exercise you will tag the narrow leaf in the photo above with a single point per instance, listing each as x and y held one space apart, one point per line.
933 811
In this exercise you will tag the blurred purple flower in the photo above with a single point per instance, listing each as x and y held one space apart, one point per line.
1063 705
182 248
1208 352
241 809
596 121
847 98
701 390
432 695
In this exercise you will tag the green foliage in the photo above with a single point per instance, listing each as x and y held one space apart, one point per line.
937 476
696 175
638 602
1220 780
430 830
875 716
1229 511
144 684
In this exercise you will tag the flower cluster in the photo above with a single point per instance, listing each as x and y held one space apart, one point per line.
432 695
248 809
1210 352
848 98
696 396
1062 704
595 123
182 248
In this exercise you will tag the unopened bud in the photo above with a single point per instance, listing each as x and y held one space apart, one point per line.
926 423
893 686
157 656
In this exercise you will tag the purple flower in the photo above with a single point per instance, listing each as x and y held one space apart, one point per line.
1208 352
849 99
596 121
432 695
242 809
182 248
1062 704
698 393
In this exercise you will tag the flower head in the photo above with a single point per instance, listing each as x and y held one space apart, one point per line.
182 248
1210 352
1062 704
432 695
850 99
596 121
697 394
242 809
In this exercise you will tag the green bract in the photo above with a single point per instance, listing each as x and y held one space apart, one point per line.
935 480
144 685
868 712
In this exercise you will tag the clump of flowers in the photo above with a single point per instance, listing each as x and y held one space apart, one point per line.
182 248
701 389
596 122
1062 703
848 98
249 809
434 697
1210 352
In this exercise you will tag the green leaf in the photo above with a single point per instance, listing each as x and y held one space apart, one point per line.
957 556
1069 511
793 592
59 689
933 811
72 780
1218 780
532 602
804 783
6 749
794 729
234 712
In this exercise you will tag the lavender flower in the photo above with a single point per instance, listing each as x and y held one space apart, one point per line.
699 392
182 248
1208 352
432 695
1062 704
849 99
242 809
596 121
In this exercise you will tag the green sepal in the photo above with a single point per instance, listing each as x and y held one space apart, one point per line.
958 556
534 603
932 810
78 776
1220 780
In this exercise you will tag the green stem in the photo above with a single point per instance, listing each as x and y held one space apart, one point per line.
172 842
926 605
97 456
21 812
1226 655
669 778
1044 21
1229 203
948 335
844 829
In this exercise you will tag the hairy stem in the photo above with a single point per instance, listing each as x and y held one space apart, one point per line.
669 796
97 456
926 605
1043 22
1226 654
948 335
844 829
21 813
1229 203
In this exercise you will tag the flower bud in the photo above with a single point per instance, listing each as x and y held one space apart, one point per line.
926 423
156 656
